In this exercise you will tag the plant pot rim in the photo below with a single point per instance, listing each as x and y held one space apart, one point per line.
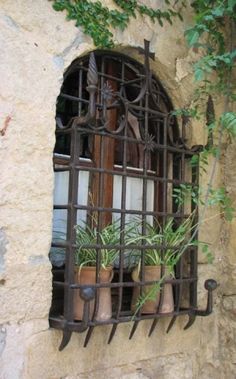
149 269
164 265
92 268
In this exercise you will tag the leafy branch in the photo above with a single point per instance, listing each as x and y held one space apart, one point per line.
212 36
97 20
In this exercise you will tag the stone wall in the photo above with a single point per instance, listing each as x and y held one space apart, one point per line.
37 45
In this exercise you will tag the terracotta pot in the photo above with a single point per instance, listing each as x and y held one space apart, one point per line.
87 275
150 306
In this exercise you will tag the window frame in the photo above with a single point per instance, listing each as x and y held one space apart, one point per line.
172 142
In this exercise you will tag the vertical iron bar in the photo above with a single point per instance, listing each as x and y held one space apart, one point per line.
122 221
164 172
88 335
179 267
194 252
180 263
144 194
180 286
112 333
99 223
164 204
80 85
71 233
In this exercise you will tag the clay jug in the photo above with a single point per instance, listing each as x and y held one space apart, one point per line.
152 273
87 275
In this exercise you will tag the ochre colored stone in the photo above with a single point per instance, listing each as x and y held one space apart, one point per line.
37 46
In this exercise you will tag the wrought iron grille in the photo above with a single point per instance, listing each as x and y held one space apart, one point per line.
120 158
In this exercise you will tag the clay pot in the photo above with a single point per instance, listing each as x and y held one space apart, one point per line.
150 306
87 275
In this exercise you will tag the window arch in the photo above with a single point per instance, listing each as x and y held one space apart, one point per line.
119 158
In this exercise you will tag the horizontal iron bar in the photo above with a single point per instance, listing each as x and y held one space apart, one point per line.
128 173
107 76
130 105
82 100
122 284
61 323
121 211
157 146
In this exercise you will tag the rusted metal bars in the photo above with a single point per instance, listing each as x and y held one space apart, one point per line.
119 90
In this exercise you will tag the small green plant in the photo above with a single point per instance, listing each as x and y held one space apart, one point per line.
108 240
165 242
87 236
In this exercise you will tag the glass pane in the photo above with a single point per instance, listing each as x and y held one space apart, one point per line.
57 254
134 196
82 196
61 185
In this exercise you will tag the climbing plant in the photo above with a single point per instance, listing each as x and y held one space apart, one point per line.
98 20
213 37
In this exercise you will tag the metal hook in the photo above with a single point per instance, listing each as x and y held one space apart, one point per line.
86 294
210 285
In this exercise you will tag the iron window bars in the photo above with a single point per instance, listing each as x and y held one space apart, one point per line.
122 155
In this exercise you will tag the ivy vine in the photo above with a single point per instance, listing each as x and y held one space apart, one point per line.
213 36
97 20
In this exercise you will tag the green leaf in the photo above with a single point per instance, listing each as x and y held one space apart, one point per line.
218 12
195 160
198 74
233 54
231 3
192 36
228 121
209 18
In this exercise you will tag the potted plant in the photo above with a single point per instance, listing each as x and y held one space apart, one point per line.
166 247
86 262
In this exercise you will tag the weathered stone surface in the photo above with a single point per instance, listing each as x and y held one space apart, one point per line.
3 243
13 361
173 367
229 258
227 335
107 357
26 293
37 45
2 338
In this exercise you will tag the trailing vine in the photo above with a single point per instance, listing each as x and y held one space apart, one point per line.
97 20
212 36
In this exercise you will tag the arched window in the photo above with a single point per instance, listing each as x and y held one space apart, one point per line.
119 158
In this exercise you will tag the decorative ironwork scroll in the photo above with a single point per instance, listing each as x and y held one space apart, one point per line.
123 155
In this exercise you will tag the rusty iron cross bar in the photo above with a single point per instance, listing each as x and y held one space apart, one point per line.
146 51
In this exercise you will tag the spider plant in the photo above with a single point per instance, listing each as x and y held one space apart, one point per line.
165 242
87 236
